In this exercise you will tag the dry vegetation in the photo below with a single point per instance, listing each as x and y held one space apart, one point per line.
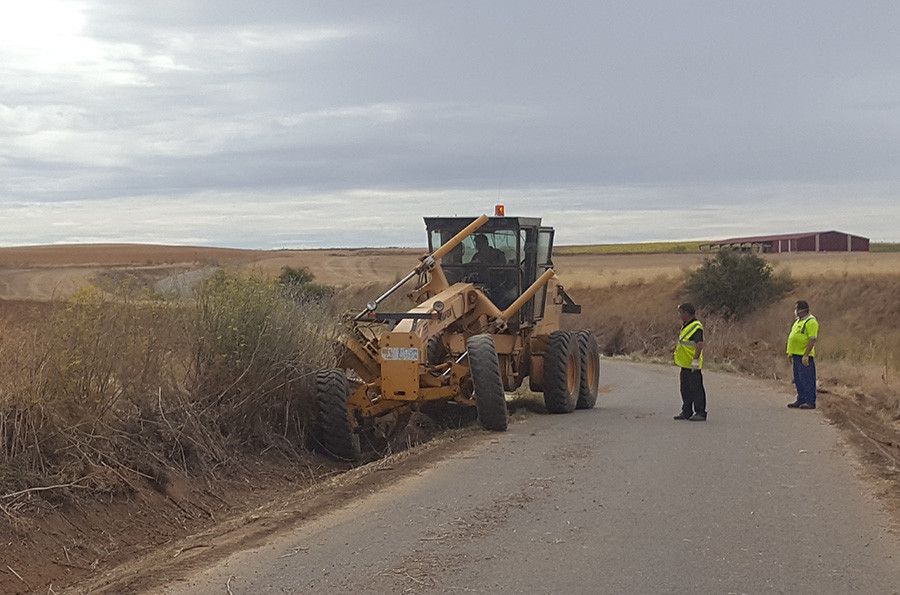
602 270
106 392
123 386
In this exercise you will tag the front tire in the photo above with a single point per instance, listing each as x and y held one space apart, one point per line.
562 372
490 398
332 431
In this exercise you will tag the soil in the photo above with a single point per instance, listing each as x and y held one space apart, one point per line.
66 539
877 440
56 538
284 508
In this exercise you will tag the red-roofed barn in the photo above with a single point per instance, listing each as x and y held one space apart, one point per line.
815 241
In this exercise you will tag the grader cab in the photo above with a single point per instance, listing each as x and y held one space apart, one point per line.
488 316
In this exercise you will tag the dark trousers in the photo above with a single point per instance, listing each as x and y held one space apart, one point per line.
693 395
805 379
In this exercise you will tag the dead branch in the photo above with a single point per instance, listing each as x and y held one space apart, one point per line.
74 484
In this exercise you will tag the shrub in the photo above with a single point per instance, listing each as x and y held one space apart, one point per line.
299 285
734 284
254 352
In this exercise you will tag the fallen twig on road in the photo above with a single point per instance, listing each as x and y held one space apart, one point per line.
18 576
295 551
181 550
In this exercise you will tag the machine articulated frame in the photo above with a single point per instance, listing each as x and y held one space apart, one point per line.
455 345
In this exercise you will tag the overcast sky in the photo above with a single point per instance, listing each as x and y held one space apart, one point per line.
295 124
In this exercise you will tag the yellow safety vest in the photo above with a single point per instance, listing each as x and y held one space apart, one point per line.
685 350
802 331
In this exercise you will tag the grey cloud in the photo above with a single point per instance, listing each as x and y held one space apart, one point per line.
611 111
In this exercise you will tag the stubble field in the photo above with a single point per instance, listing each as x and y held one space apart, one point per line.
47 272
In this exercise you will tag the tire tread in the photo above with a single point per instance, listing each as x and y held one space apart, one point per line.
588 391
490 398
332 431
557 398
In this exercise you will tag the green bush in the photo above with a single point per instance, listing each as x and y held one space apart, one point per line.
734 284
299 285
255 351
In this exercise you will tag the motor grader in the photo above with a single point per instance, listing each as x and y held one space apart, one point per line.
488 316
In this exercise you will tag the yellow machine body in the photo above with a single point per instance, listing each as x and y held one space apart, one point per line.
398 360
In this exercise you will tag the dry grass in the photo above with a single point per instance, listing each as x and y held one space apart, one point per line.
885 247
604 270
57 272
49 272
633 248
106 392
858 350
106 255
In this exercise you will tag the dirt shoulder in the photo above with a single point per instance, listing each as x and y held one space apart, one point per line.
875 437
64 539
284 510
67 539
54 538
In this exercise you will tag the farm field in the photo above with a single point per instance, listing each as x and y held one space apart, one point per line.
45 272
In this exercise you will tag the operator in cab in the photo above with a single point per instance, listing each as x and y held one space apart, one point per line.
485 253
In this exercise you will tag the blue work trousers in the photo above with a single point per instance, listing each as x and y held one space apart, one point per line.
805 379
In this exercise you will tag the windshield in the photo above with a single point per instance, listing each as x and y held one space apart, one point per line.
496 248
486 258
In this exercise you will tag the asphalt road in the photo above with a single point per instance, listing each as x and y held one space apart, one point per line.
620 499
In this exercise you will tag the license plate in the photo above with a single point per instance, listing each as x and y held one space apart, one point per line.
408 354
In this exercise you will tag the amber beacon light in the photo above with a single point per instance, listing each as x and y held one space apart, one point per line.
499 211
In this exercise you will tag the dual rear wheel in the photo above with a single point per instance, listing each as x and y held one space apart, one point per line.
571 371
571 376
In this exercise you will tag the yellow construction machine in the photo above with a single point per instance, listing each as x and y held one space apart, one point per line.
488 316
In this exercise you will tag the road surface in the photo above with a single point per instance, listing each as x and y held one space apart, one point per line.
620 499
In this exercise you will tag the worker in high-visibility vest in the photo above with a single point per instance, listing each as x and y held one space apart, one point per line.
801 349
689 357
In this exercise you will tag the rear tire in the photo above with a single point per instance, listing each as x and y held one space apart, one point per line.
590 370
490 398
562 372
332 431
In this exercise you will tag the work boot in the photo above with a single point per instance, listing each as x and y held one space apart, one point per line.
682 416
795 405
806 406
698 417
